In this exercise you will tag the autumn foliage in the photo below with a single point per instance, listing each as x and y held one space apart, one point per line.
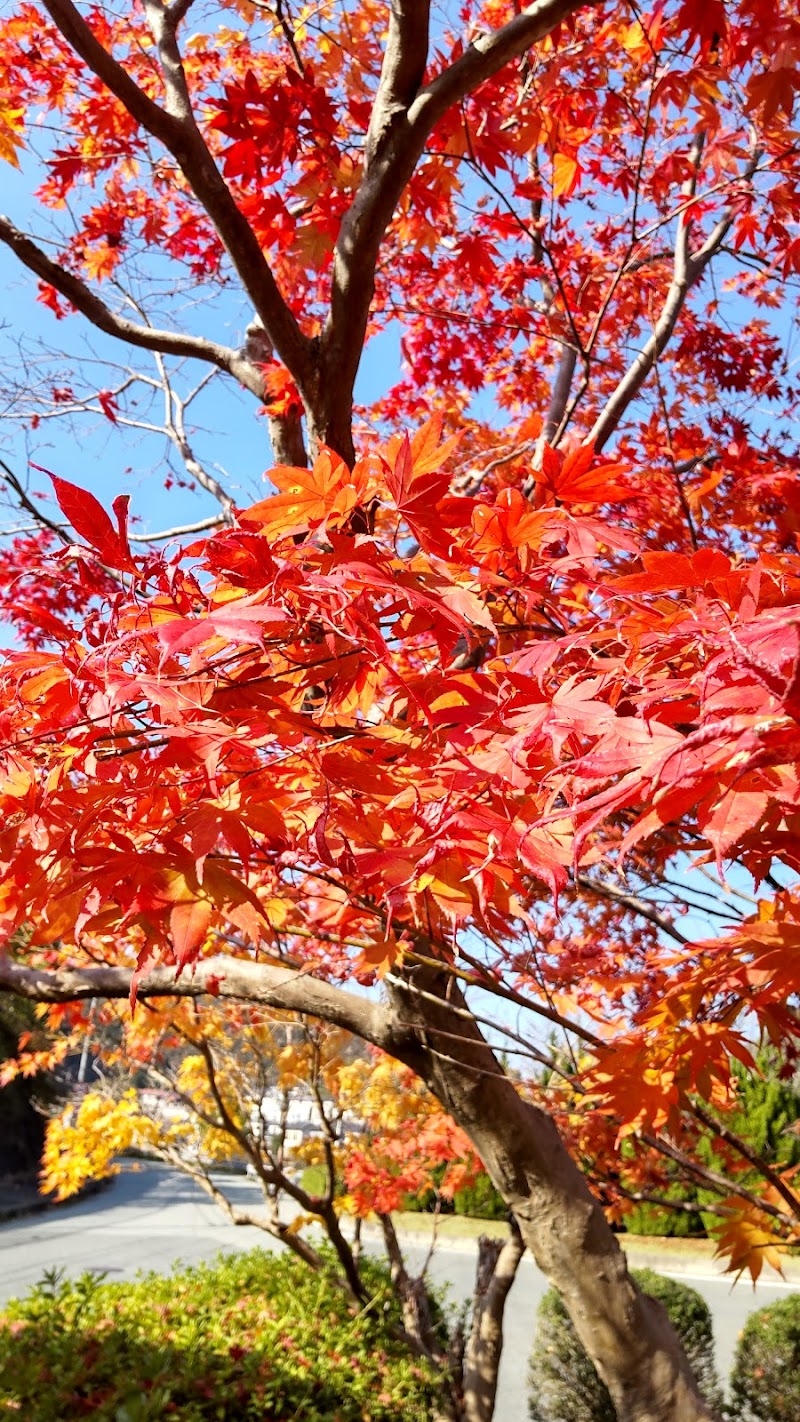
497 686
383 798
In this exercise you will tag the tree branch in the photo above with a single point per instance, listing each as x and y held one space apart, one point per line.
720 1184
402 71
498 1261
176 128
747 1153
642 907
230 978
76 291
490 52
401 123
687 269
412 1293
215 521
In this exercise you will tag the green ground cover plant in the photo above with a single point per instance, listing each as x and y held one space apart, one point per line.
250 1338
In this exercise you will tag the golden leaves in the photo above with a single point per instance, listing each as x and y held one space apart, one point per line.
83 1144
12 126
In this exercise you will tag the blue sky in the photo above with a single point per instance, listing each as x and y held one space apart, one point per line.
88 449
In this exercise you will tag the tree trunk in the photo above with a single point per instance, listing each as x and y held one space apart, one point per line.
627 1336
498 1261
286 438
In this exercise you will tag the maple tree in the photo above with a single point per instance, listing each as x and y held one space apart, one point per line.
470 705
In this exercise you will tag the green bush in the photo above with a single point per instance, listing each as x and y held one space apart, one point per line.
251 1338
667 1224
481 1201
563 1384
765 1382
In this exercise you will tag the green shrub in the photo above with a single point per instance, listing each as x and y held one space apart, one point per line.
251 1338
481 1201
667 1224
765 1382
563 1384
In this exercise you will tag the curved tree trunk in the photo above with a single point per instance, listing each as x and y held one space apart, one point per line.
628 1336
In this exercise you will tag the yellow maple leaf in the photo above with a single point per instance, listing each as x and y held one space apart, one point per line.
747 1242
11 129
566 173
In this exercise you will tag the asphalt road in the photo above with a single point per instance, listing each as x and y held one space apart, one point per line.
153 1218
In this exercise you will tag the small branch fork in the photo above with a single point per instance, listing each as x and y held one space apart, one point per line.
403 117
687 269
405 112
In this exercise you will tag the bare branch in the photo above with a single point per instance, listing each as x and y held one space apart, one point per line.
559 396
175 427
712 1178
747 1153
41 520
642 907
472 480
681 1207
286 429
412 1293
270 1224
498 1261
687 269
81 296
402 71
214 522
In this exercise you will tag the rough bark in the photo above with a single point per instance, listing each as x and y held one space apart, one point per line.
233 979
627 1336
498 1261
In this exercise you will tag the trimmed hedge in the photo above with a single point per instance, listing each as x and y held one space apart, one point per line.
563 1384
480 1201
765 1382
251 1338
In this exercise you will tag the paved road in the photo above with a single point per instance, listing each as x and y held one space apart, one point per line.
153 1218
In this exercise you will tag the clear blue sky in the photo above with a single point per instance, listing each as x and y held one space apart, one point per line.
108 459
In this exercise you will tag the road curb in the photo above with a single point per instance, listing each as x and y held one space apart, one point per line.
693 1259
43 1205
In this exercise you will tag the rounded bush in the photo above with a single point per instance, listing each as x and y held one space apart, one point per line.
481 1201
562 1381
251 1338
765 1382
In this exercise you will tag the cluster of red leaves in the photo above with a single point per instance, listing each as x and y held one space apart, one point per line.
44 600
345 745
292 720
403 1163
